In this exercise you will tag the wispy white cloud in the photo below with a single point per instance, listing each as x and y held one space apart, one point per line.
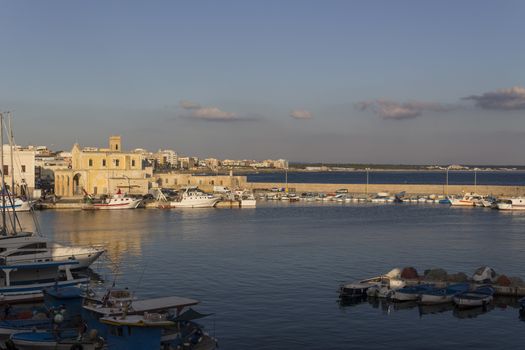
301 114
387 109
212 113
504 99
187 104
197 111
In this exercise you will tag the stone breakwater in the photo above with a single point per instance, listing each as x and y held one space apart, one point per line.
500 191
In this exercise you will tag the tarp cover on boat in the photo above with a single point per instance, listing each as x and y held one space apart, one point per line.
484 274
190 315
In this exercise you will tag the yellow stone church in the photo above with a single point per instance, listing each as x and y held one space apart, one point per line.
102 171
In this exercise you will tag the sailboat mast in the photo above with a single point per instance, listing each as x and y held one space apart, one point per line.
11 146
4 228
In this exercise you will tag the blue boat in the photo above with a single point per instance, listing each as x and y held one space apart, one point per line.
411 293
443 295
62 304
481 296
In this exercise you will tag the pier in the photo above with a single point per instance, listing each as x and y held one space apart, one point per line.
500 191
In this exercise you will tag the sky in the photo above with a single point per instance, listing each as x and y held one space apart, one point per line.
412 82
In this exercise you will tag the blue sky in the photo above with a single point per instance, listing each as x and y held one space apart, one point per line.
332 81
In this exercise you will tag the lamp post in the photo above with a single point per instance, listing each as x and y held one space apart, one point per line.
367 178
475 179
446 191
286 178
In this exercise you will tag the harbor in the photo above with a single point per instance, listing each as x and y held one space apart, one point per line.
322 245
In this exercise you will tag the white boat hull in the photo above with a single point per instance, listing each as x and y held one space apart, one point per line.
248 203
84 256
200 203
115 205
468 303
427 299
400 296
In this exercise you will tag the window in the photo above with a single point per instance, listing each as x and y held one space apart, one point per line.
23 168
116 147
6 170
133 162
117 162
34 246
91 162
103 162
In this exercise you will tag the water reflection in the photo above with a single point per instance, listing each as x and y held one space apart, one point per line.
388 307
121 232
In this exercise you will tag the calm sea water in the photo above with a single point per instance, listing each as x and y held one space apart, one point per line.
270 274
510 178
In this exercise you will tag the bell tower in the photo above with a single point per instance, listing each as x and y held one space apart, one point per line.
115 144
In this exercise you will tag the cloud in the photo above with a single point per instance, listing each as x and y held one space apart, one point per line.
301 114
186 104
212 113
504 99
196 111
398 111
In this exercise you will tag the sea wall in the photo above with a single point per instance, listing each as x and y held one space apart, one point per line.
394 188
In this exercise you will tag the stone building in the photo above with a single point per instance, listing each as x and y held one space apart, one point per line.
102 171
205 182
23 169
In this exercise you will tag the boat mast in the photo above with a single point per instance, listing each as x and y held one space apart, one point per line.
12 198
4 229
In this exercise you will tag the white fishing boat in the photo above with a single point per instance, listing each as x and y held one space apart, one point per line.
248 201
468 200
515 203
194 198
118 201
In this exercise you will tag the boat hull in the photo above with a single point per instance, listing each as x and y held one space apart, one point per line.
33 292
201 203
115 206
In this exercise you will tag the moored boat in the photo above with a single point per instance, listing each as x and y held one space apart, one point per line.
443 295
410 292
481 296
515 203
118 201
468 200
194 198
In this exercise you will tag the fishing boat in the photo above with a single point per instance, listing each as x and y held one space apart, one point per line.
118 201
481 296
443 295
468 200
26 282
248 200
515 203
115 303
61 305
192 197
410 292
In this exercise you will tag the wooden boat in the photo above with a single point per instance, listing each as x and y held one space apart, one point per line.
443 295
481 296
